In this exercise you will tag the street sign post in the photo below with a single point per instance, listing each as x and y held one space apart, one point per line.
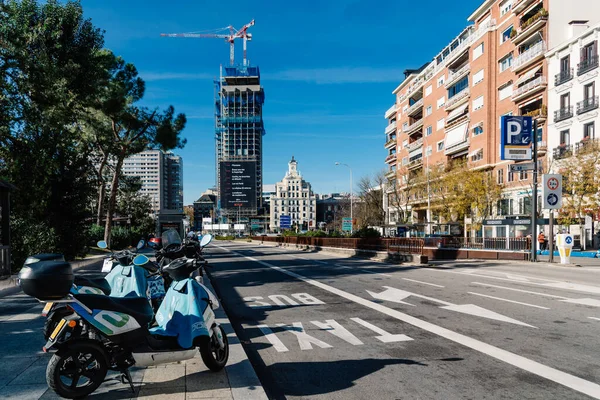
516 137
530 166
552 198
347 224
285 222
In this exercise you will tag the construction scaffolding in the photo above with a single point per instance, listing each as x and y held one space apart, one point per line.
239 129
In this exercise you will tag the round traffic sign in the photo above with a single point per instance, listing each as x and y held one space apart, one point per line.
552 183
568 239
552 199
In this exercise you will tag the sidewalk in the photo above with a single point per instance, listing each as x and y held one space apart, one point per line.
575 261
23 368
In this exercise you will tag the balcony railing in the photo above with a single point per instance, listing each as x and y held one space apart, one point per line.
539 82
586 144
457 98
415 144
414 107
390 128
530 25
531 54
562 151
520 5
455 76
413 127
415 163
390 111
587 105
539 114
389 143
391 157
563 113
587 65
563 76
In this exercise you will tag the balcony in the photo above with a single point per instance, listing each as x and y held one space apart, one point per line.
563 76
542 148
563 114
521 5
413 128
458 50
562 151
391 158
586 145
528 57
587 65
458 99
415 144
457 75
530 26
390 128
390 143
414 164
587 105
415 107
390 112
529 88
391 174
541 114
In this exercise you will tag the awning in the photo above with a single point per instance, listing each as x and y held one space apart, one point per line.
474 152
456 135
527 75
457 112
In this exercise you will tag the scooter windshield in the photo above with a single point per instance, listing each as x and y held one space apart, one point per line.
170 237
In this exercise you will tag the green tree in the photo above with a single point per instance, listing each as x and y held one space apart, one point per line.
51 66
370 208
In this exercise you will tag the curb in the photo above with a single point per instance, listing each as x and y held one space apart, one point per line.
10 285
243 381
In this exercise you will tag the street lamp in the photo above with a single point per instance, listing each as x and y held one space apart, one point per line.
351 215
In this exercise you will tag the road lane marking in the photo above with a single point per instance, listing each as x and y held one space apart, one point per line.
331 326
272 338
573 382
424 283
520 290
305 341
597 319
398 295
585 302
510 301
376 273
385 336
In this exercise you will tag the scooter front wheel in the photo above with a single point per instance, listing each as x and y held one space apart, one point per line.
77 370
215 357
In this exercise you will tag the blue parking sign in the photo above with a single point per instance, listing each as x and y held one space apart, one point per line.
516 137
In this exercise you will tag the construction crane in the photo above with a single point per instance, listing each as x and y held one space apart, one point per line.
229 37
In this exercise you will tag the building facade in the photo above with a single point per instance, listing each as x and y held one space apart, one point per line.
174 181
238 141
450 108
294 197
204 207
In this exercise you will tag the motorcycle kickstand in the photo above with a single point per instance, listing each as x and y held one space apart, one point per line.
126 376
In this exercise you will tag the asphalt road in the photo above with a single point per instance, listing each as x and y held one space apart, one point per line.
319 326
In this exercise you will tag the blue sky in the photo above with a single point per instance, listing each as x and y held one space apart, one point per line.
328 69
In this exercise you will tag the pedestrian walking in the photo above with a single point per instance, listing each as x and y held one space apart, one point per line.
542 241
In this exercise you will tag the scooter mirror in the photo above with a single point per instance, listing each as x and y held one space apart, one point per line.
140 259
206 239
102 244
140 244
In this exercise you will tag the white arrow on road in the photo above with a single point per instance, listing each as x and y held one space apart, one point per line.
398 295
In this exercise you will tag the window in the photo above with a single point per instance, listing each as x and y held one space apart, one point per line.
589 51
405 161
478 130
440 146
523 175
505 63
565 65
478 77
565 101
428 90
500 174
405 143
510 176
588 131
478 103
428 130
440 124
500 119
505 91
428 110
589 91
405 126
441 101
564 137
458 87
506 34
428 151
477 156
477 51
505 7
441 80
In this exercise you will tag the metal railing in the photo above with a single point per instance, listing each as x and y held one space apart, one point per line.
4 260
587 65
563 76
563 113
394 245
418 104
534 84
391 157
413 126
455 76
587 104
478 243
562 151
457 97
536 50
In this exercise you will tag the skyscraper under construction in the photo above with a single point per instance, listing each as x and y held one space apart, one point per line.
239 129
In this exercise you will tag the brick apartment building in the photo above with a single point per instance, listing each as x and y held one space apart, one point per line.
450 108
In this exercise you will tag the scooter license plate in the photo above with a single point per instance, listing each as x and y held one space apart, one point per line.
57 329
47 309
107 265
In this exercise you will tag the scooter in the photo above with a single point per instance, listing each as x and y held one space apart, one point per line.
105 332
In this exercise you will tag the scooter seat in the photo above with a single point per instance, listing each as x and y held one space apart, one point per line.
99 283
138 307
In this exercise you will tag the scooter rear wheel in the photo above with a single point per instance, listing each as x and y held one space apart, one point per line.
77 370
214 357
